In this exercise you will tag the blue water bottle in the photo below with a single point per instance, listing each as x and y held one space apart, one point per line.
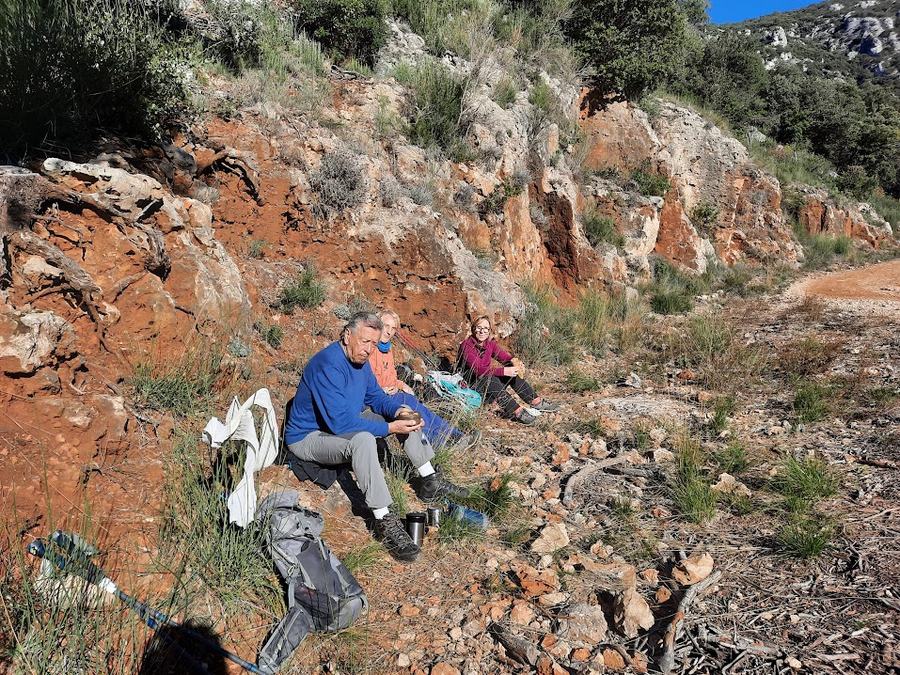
461 512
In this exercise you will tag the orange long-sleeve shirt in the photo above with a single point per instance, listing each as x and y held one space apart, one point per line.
384 368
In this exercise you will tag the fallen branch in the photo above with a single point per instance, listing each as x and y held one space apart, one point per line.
667 661
739 644
577 479
519 649
238 163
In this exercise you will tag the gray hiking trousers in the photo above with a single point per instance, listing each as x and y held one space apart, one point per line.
361 451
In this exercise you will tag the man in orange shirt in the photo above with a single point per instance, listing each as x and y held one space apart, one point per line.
437 429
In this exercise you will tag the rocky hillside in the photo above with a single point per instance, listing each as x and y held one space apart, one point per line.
857 40
145 285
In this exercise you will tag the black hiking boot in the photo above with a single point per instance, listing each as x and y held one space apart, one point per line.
435 487
395 538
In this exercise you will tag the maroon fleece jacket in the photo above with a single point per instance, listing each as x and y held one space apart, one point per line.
478 358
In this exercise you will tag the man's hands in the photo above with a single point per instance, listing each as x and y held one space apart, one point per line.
404 427
390 391
407 422
405 387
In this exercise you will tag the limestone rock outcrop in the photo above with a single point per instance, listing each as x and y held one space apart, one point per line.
818 213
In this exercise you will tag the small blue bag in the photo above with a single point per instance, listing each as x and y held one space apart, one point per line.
454 387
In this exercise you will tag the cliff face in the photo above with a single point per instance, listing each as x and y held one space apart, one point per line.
141 254
856 39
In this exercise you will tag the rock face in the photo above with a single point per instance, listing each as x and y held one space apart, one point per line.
818 213
105 269
712 169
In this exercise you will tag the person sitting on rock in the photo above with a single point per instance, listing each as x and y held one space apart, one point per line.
477 355
338 412
437 429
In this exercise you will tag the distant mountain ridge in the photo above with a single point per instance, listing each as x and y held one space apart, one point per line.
855 40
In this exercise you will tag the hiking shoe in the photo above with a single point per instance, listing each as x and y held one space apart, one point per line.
546 406
467 441
435 487
395 538
526 417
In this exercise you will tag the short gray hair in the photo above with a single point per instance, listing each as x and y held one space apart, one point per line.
367 319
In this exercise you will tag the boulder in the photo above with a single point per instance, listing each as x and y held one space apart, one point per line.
31 340
583 625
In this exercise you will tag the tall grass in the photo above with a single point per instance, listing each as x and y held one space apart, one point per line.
554 334
62 624
690 484
712 346
208 556
305 291
182 387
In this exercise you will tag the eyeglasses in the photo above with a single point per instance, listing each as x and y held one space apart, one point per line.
483 329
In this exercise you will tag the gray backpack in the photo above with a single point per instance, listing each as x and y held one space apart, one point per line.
323 596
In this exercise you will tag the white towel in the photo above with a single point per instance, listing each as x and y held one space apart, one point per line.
261 449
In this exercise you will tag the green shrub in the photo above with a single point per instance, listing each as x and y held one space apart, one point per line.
339 181
246 35
363 558
538 337
820 250
723 408
805 536
504 92
691 489
183 387
811 402
631 45
496 200
673 291
257 248
578 382
550 333
306 291
348 29
272 334
732 458
704 216
435 113
495 500
737 279
71 68
651 184
710 345
600 229
671 301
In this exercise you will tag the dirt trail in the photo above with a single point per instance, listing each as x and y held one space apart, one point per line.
876 287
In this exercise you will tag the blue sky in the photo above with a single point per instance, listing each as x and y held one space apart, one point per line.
727 11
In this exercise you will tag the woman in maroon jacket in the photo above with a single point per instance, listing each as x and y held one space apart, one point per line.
477 355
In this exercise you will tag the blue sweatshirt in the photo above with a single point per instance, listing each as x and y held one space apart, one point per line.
332 393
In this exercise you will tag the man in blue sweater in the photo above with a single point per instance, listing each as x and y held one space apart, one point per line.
338 412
